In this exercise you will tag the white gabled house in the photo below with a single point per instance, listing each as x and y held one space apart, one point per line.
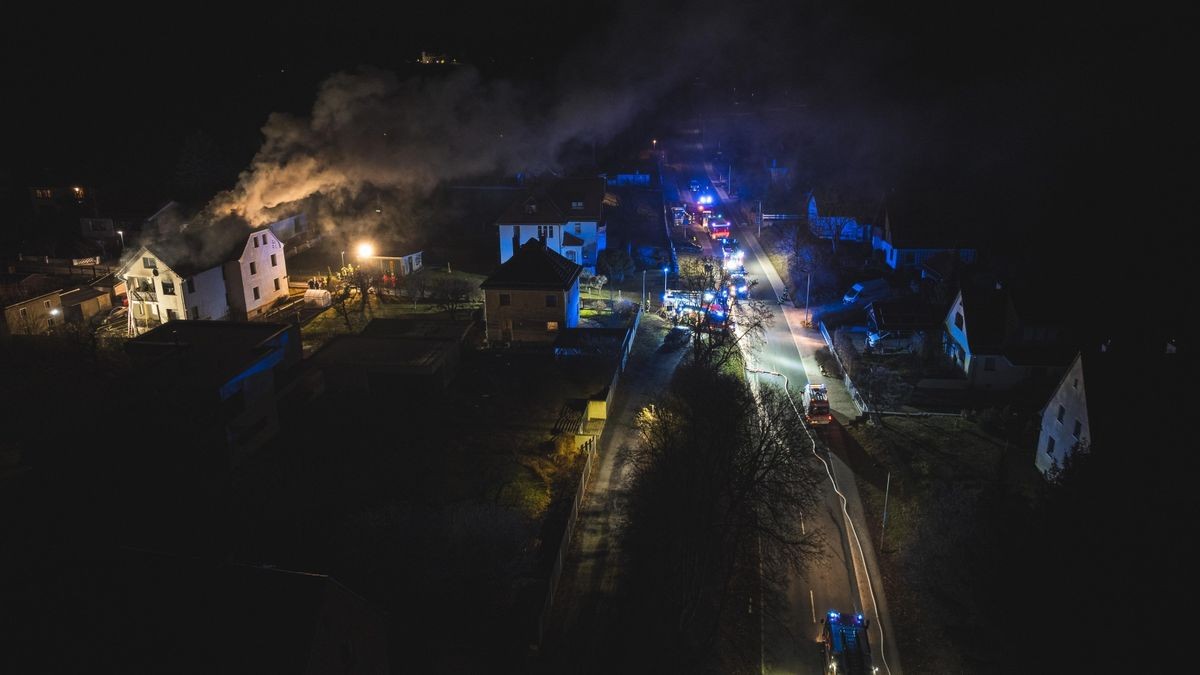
193 276
566 215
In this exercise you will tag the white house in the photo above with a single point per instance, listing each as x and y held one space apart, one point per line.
998 348
842 227
1064 419
257 277
204 275
567 215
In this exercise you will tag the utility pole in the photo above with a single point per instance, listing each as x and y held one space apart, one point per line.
760 218
643 288
807 290
887 491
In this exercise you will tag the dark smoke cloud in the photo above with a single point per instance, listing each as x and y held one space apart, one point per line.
374 140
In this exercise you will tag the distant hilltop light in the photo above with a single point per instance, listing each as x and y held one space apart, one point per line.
428 59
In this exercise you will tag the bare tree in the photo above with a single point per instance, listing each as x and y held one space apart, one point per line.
720 475
452 293
717 340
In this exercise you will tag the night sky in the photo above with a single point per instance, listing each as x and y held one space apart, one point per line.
1044 123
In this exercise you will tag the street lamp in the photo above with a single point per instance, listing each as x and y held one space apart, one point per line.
365 250
643 288
121 234
664 300
343 258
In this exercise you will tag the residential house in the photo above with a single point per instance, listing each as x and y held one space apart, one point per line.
226 374
291 227
912 233
846 222
210 275
85 304
999 342
33 315
532 296
396 265
1101 399
566 214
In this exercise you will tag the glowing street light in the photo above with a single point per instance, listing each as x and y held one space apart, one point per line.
121 234
365 250
665 284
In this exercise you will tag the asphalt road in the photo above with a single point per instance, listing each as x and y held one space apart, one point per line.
790 644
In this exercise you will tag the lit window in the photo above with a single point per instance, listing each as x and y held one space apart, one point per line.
1061 412
505 299
256 292
551 326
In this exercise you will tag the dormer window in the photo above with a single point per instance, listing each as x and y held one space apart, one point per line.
577 205
531 208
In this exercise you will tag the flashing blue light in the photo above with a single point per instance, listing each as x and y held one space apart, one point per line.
834 616
742 289
858 618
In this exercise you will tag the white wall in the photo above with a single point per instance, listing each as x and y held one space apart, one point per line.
589 231
260 246
209 298
1071 395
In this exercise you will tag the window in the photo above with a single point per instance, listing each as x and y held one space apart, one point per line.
551 326
1075 384
46 304
505 299
958 320
552 301
1078 429
191 285
43 194
253 268
577 205
171 315
989 364
194 313
570 255
256 292
276 284
1050 445
49 323
578 228
24 314
149 263
256 241
168 287
1061 412
145 285
274 262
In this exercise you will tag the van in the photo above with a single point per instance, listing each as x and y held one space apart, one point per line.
867 290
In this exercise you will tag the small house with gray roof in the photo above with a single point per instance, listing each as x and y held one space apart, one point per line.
532 297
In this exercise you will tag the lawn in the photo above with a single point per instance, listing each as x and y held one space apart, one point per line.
940 545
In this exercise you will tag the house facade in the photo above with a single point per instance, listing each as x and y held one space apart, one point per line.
994 348
1064 419
182 280
257 277
566 215
909 247
37 315
532 297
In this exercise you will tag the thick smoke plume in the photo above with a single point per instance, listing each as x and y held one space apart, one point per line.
373 140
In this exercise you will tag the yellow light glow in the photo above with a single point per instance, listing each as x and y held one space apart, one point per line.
365 250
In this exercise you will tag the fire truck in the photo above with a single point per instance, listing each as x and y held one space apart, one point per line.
816 404
718 228
845 645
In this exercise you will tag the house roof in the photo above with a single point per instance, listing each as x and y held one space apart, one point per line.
216 349
554 202
904 314
79 295
930 222
195 250
534 266
985 313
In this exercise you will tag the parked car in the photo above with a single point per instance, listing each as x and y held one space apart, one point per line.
863 291
677 337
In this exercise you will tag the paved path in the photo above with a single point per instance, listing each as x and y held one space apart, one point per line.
578 629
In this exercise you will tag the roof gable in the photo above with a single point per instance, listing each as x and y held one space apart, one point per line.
534 266
558 202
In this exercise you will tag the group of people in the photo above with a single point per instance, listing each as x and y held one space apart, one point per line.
319 282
